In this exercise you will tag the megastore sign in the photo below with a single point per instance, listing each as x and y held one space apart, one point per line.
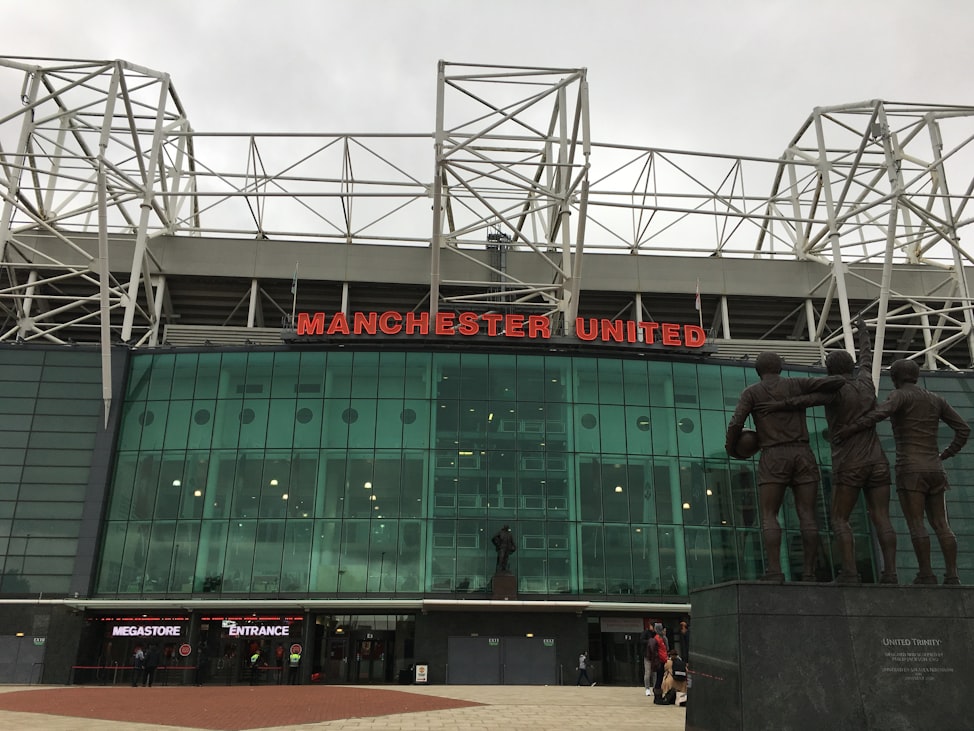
495 325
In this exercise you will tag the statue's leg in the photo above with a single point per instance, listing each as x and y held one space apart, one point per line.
937 515
844 497
771 496
877 502
913 504
805 507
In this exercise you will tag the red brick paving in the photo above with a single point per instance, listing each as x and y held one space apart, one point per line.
223 708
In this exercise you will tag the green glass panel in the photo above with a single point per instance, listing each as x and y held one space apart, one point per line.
635 377
409 563
365 380
296 556
610 381
275 493
211 556
132 568
110 558
645 559
253 423
184 376
303 484
615 489
178 424
183 568
361 417
138 378
338 377
200 425
391 375
418 376
671 561
331 501
268 555
239 562
416 424
354 556
226 423
281 423
389 423
586 428
689 433
307 423
618 560
160 379
592 559
382 556
586 380
208 376
247 477
558 380
285 377
335 422
325 556
590 487
700 570
499 374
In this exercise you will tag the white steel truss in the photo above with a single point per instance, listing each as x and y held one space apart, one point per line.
98 161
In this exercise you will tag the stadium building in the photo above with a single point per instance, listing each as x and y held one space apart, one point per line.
274 389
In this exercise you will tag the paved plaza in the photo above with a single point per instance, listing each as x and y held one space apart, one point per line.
308 708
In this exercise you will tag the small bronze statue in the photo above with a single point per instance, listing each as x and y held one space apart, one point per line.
921 483
504 544
859 464
786 460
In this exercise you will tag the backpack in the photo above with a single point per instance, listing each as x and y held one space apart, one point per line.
667 699
679 669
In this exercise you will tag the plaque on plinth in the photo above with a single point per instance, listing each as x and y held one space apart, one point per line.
799 656
503 586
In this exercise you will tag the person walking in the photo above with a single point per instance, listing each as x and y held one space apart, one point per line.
138 665
583 663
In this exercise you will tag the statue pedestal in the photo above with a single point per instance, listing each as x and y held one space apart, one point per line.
798 656
503 586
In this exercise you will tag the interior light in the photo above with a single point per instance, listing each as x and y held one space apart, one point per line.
197 493
284 496
618 488
177 483
686 506
273 483
490 416
373 497
529 634
709 491
367 485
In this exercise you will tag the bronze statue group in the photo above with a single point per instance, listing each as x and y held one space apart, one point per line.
777 407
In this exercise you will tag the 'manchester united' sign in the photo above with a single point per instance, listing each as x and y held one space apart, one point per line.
469 324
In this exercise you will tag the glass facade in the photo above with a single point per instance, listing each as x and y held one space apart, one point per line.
386 473
51 403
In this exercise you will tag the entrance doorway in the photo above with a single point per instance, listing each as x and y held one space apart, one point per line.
370 661
622 655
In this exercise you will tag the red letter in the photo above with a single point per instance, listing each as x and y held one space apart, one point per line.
612 330
390 323
444 323
580 331
467 323
307 326
339 324
491 319
514 326
649 331
630 331
539 326
365 322
671 334
694 336
417 323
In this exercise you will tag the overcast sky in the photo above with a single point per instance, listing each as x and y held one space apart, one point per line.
735 77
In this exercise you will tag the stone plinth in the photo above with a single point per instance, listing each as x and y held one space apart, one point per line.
806 656
503 586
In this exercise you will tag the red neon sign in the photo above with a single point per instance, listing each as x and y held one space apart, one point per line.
468 324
